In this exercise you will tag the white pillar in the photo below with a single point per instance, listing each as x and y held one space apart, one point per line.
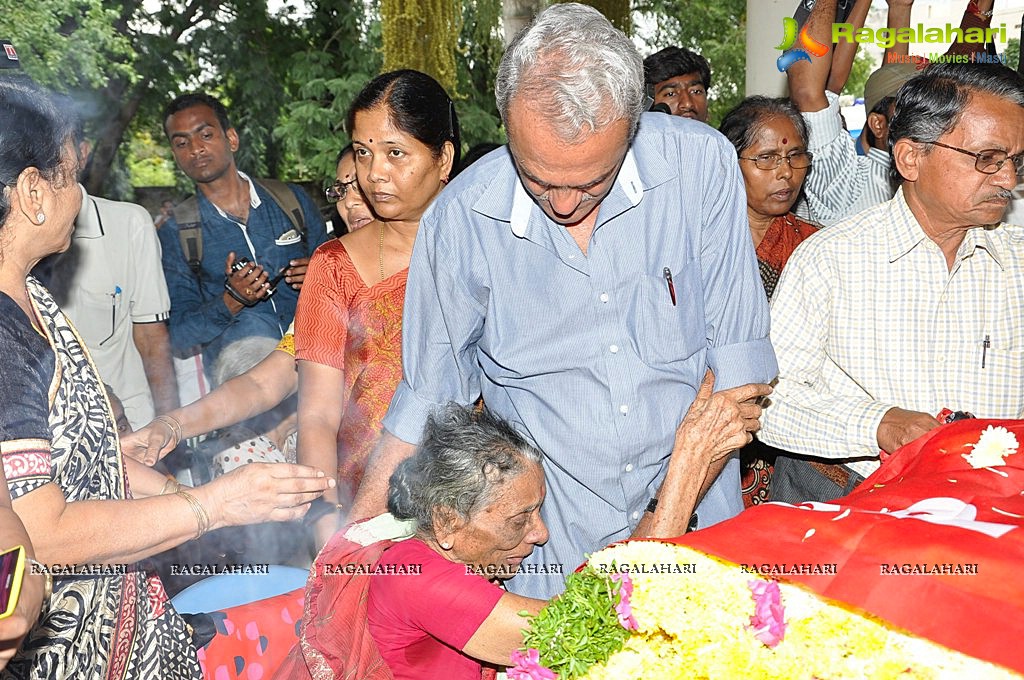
764 32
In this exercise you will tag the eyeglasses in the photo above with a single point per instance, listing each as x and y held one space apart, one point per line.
989 161
339 190
798 160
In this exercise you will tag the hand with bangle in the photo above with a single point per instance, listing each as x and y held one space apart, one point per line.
253 493
152 442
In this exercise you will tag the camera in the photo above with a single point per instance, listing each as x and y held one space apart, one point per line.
241 264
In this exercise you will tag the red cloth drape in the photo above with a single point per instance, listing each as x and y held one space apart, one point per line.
924 506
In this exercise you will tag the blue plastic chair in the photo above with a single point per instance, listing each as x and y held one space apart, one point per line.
231 590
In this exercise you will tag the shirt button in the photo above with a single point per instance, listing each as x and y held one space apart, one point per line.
613 349
572 257
942 360
636 515
624 409
603 297
629 467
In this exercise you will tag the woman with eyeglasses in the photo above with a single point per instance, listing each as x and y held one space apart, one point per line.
348 324
345 192
770 137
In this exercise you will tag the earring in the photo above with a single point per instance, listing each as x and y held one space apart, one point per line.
444 180
446 545
40 217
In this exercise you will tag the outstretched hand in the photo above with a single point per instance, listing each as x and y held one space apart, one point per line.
261 492
149 443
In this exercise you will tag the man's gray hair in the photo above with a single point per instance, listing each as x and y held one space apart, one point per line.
578 72
930 105
466 455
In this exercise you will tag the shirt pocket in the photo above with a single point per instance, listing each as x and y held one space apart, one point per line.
663 332
1003 396
96 315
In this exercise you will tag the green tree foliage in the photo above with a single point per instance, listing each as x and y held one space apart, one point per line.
67 46
863 65
478 56
717 30
289 75
1012 52
148 162
339 58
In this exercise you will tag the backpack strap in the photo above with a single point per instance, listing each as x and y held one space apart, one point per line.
288 202
190 233
190 224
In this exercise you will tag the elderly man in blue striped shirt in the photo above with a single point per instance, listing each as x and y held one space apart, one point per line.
582 281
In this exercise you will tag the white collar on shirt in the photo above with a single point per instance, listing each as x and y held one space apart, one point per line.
254 198
522 202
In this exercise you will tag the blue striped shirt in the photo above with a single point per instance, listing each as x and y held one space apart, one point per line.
586 354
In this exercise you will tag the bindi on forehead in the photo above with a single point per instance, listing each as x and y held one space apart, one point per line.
785 140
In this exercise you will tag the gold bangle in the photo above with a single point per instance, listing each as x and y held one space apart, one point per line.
173 425
170 486
47 582
197 508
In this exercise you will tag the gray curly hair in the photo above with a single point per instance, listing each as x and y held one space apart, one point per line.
578 71
465 456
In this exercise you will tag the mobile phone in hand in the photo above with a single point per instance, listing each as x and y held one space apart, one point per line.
12 569
272 284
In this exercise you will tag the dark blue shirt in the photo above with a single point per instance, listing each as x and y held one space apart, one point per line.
198 313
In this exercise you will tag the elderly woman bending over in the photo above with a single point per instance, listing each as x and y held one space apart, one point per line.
470 498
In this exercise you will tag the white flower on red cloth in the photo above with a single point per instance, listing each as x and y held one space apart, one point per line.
992 448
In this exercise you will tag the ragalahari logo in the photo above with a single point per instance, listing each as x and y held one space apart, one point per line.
807 43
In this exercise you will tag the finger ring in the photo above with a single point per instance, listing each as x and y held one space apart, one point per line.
248 292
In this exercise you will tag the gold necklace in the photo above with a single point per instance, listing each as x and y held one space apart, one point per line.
380 251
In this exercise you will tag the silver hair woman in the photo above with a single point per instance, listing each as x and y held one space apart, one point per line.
470 500
268 437
465 458
470 497
587 73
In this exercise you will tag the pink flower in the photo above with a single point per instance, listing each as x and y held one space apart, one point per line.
527 667
768 621
624 609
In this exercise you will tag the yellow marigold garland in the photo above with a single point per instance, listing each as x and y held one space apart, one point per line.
693 613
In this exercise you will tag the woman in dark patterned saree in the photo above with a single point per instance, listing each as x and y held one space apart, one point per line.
83 503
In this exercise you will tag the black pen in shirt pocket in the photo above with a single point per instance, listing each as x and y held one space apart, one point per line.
671 286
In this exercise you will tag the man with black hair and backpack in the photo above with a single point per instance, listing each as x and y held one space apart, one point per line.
235 254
